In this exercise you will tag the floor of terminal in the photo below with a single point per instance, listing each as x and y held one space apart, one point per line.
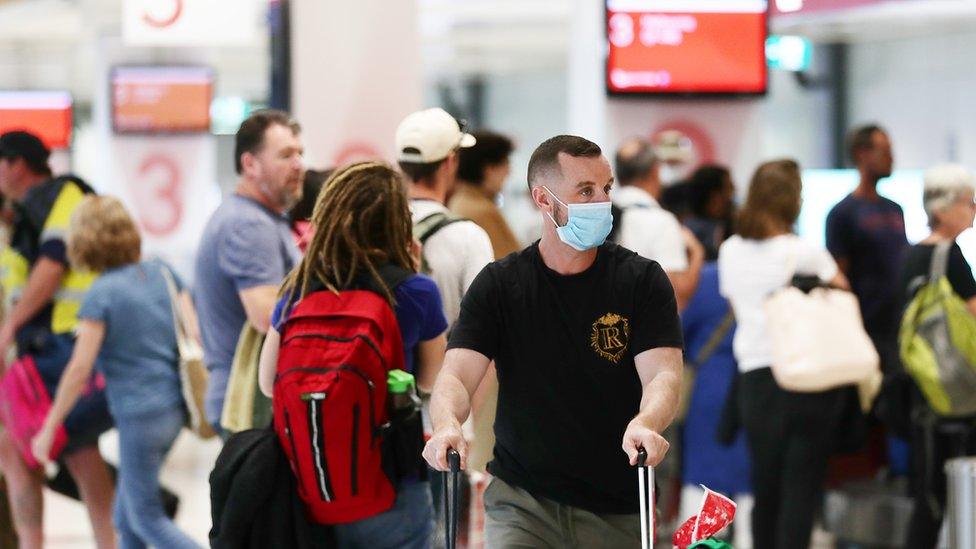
186 472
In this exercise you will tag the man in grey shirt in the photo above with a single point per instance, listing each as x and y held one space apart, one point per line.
247 247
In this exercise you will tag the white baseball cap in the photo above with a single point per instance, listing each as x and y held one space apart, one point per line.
430 135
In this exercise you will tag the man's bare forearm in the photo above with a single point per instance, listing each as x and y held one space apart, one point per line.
450 403
659 403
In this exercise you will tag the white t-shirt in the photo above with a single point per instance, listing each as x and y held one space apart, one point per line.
455 255
749 271
650 230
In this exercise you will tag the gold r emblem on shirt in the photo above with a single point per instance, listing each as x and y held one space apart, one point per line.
610 336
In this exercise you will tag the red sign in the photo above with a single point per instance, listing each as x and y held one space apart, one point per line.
45 114
686 46
161 99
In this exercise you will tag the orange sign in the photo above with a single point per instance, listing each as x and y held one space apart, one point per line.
45 114
690 46
161 99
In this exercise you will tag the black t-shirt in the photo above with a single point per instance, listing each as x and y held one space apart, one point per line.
564 350
918 265
871 236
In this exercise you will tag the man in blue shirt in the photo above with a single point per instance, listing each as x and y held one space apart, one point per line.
247 247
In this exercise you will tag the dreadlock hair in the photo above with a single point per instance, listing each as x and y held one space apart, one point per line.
361 222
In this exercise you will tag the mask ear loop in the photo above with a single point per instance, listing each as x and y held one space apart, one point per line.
557 200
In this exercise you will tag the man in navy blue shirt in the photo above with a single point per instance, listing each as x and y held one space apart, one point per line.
866 235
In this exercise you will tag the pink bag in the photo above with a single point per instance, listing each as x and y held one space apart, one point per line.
24 403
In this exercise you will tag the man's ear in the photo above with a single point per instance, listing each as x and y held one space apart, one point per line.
541 198
249 163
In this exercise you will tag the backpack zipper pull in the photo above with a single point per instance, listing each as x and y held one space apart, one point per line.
313 396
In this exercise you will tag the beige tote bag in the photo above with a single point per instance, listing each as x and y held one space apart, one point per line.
819 341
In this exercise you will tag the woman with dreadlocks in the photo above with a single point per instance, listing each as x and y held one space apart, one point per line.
362 230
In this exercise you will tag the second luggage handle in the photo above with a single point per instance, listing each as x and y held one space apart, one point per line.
453 478
645 495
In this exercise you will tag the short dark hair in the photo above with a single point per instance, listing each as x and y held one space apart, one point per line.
418 172
311 186
861 138
250 136
704 183
27 146
546 156
632 166
491 149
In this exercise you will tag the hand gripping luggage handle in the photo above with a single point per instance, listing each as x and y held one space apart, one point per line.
645 494
452 478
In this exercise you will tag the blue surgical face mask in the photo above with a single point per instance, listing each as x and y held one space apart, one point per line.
588 224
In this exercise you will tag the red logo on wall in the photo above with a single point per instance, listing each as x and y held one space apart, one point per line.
163 22
702 146
355 152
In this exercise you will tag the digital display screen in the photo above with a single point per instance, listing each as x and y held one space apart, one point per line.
161 99
46 114
686 47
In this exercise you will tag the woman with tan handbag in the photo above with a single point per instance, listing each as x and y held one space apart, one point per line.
127 324
789 434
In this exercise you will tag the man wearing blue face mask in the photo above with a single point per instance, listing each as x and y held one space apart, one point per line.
587 343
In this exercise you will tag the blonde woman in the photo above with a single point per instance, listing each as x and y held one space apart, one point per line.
126 323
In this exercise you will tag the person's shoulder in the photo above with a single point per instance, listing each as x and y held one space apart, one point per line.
418 284
731 245
807 248
891 204
629 260
463 233
845 206
120 279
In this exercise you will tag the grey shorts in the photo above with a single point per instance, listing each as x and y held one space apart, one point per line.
516 519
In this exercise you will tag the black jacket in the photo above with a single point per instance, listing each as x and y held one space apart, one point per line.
254 499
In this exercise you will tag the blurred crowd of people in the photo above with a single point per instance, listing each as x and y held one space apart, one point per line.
636 322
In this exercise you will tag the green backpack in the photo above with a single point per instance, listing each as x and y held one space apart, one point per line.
938 342
711 543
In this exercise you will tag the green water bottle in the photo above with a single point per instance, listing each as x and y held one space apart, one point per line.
403 393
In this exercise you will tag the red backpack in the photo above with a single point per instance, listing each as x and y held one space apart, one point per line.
330 400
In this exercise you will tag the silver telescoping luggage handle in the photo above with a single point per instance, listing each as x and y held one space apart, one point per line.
645 494
452 478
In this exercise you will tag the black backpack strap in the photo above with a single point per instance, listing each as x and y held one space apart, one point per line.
430 225
394 275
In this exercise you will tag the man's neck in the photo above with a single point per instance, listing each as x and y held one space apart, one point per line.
418 191
560 257
867 188
651 187
940 235
249 189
